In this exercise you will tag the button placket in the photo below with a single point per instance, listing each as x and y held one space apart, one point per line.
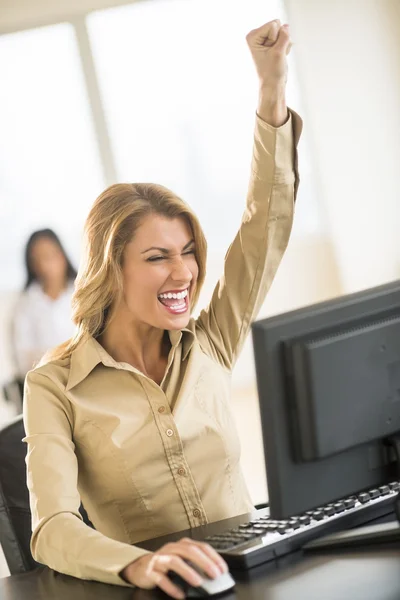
176 459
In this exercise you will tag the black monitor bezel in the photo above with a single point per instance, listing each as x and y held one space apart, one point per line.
294 487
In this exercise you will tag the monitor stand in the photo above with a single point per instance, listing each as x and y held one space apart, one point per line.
385 534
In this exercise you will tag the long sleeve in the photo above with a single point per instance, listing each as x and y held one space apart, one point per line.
60 538
256 252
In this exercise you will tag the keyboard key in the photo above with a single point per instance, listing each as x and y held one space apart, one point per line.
329 510
349 503
294 523
305 519
318 515
384 489
239 536
374 493
394 486
339 507
221 545
284 529
256 531
364 497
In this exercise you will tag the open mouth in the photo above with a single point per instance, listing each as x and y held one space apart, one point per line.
175 302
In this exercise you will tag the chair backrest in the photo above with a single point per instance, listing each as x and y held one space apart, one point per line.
15 514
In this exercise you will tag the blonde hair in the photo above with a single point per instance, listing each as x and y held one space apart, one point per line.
111 224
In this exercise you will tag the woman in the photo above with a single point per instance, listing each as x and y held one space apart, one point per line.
43 315
136 418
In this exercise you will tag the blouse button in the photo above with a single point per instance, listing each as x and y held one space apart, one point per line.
161 409
169 432
196 513
181 471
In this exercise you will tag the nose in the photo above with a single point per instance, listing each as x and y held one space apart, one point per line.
181 272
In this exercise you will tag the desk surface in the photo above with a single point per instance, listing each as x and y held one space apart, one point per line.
373 574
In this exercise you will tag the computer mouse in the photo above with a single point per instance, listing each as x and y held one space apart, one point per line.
209 587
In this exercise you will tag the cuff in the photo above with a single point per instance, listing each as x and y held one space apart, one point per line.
274 150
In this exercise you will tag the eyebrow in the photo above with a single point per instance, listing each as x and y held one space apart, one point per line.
165 250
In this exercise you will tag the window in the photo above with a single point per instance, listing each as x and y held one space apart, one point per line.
180 91
49 168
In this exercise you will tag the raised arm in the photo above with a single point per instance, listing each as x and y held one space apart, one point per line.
255 254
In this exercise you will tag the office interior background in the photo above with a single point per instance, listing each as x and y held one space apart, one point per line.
99 91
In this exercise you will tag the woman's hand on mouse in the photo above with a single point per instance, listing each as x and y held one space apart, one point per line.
152 569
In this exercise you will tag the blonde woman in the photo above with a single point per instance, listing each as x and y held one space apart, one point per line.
131 416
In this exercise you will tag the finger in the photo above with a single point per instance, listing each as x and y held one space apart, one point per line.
166 585
265 35
283 42
182 568
193 552
213 555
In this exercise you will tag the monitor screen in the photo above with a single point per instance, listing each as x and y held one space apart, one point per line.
328 379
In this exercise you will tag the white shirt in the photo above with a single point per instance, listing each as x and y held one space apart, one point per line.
40 323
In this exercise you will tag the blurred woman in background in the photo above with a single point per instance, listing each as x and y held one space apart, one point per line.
42 316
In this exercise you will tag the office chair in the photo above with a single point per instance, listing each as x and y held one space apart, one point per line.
15 514
13 392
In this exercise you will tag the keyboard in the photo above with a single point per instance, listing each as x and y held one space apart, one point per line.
264 539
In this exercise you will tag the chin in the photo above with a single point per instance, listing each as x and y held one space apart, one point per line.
177 323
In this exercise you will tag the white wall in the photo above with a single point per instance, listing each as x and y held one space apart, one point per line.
348 61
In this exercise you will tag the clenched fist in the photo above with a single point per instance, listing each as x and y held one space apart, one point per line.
269 46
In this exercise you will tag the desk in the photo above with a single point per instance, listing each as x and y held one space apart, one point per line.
363 575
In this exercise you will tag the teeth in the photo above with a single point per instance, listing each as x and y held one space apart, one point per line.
177 296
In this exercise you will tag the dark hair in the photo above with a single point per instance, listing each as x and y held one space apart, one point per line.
49 235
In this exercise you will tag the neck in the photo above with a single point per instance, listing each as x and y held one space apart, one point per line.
142 346
53 288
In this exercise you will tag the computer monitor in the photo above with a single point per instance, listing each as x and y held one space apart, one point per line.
328 379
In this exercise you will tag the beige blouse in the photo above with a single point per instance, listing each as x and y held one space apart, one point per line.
148 459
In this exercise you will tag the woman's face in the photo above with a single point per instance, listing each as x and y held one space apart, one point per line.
160 273
47 261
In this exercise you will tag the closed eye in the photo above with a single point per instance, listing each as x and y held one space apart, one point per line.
155 258
159 258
